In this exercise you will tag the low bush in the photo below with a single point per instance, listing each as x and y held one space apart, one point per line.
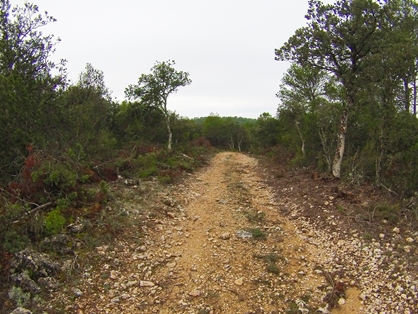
54 222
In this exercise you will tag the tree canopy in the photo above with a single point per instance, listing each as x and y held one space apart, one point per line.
153 89
353 40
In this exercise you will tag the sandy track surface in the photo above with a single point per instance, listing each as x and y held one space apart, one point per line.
218 244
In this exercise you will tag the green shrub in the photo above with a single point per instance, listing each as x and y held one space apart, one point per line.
54 222
148 172
147 165
17 295
57 176
388 212
272 268
14 242
257 233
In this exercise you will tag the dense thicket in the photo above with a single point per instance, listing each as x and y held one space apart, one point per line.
349 97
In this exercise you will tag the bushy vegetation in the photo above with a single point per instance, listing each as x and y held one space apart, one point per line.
348 101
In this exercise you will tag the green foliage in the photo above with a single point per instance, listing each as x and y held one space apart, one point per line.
54 222
338 101
139 122
59 176
86 122
28 88
356 43
18 296
104 187
224 132
14 241
239 120
147 165
266 131
293 308
257 233
272 268
153 89
389 212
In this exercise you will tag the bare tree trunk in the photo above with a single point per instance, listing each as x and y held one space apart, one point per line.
379 159
239 140
326 149
231 142
406 94
414 82
338 158
301 138
170 134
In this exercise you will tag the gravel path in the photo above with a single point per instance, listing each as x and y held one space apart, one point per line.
220 243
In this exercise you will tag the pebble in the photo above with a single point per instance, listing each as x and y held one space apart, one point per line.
144 283
239 281
195 293
225 236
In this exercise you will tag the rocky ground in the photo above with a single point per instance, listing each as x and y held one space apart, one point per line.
242 237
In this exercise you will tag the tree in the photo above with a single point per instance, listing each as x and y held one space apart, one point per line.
93 79
213 130
266 131
303 91
338 39
136 121
153 89
28 88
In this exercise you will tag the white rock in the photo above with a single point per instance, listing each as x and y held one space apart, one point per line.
131 283
341 243
341 301
195 293
239 281
114 274
144 283
409 240
396 230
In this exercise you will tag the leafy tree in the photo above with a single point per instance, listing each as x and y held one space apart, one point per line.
237 134
402 52
212 129
266 131
304 86
93 79
339 38
87 116
153 89
303 91
136 121
27 86
185 130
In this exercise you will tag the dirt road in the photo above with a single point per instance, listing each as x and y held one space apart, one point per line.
218 244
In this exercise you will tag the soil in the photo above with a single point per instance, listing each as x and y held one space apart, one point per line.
238 236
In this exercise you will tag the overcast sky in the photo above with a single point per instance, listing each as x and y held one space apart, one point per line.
227 46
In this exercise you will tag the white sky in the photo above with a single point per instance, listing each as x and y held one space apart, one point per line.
227 46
